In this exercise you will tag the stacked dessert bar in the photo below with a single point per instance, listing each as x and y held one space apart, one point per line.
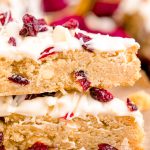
136 21
53 87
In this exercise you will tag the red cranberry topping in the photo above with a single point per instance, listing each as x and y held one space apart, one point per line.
82 36
5 18
105 146
71 24
12 41
1 137
47 52
82 79
42 25
32 26
32 96
19 79
68 115
38 146
131 106
101 94
84 83
72 114
85 39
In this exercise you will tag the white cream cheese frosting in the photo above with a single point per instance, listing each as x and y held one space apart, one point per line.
77 104
61 38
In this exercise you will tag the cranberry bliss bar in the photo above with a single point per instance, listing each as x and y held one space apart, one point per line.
95 121
36 58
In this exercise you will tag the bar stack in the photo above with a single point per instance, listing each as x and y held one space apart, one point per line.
54 83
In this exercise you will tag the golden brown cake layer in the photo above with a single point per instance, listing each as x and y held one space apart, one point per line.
57 72
121 132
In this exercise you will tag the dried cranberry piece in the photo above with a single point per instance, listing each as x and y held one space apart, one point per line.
12 41
1 137
5 18
80 74
85 38
42 25
32 96
71 115
19 79
24 31
2 147
131 106
84 83
101 95
32 26
82 79
71 24
82 36
47 52
67 116
105 146
38 146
